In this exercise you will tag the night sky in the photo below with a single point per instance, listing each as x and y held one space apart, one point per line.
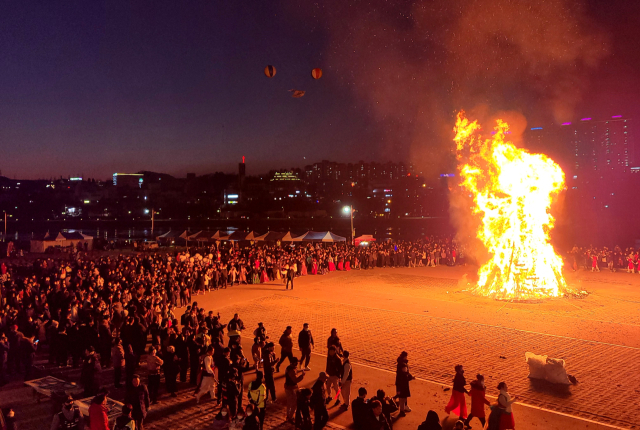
93 88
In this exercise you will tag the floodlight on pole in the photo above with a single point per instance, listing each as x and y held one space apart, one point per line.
349 210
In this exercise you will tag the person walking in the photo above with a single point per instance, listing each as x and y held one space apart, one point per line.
138 397
334 372
208 382
306 344
345 382
318 402
291 380
286 347
403 377
504 412
478 400
457 403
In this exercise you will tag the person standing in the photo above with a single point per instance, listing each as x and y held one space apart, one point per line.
478 400
403 377
13 358
124 421
269 360
334 340
208 382
98 418
138 397
291 273
4 350
235 328
117 358
345 382
457 403
334 372
318 397
28 347
306 344
303 414
291 380
69 418
256 352
230 392
257 394
153 367
89 374
130 365
360 409
431 423
171 369
286 347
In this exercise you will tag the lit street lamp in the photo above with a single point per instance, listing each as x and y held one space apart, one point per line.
349 210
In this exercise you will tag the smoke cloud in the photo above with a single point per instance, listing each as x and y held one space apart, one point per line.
413 64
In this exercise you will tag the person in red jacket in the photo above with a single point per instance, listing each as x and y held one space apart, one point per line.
478 400
98 419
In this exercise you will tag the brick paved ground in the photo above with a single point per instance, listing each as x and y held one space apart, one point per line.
427 312
374 336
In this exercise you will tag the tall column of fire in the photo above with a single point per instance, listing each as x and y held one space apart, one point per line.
512 192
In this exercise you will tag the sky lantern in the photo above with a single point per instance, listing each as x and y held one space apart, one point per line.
316 73
269 71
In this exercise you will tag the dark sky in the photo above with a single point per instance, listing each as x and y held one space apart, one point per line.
91 87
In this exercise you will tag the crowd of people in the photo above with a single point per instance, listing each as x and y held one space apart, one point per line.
612 259
116 311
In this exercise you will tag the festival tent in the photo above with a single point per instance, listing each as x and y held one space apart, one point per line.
271 236
62 240
172 236
364 238
288 237
241 235
331 237
201 236
320 236
220 235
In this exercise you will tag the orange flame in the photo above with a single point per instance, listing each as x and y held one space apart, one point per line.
512 191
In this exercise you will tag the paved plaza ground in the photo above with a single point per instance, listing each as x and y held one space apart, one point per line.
428 313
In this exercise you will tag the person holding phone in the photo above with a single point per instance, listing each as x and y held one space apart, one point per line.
28 347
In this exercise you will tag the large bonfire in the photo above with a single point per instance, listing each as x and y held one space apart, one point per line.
512 192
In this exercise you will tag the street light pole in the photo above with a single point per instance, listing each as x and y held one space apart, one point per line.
152 214
353 233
